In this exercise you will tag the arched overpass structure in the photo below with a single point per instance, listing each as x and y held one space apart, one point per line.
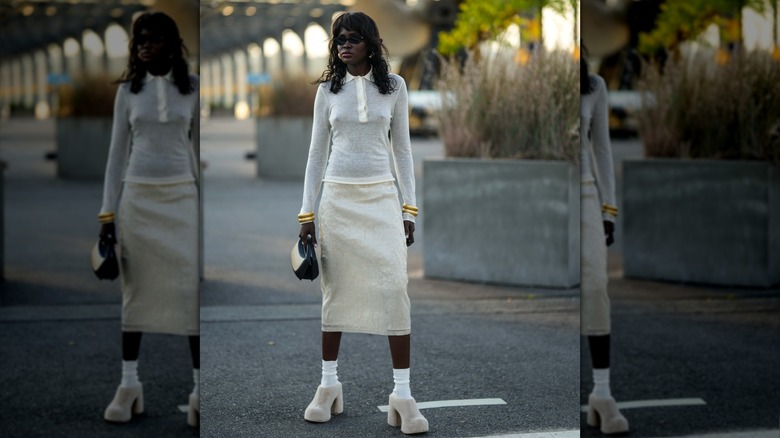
266 39
47 43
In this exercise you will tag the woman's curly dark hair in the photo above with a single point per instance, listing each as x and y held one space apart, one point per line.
586 85
366 27
174 48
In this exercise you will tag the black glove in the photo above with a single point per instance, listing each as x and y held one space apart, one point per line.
108 232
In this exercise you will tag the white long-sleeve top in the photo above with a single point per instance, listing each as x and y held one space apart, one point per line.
357 135
595 149
150 138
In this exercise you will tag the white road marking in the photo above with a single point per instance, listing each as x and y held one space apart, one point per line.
655 403
451 403
551 434
184 408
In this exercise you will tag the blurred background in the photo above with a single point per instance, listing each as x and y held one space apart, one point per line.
613 33
60 57
251 48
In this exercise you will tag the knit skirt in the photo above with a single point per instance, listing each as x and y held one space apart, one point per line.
595 312
363 261
158 244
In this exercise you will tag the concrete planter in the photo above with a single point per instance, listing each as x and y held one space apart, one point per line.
282 147
82 147
702 221
502 221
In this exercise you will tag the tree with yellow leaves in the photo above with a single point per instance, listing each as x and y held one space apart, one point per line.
683 20
483 20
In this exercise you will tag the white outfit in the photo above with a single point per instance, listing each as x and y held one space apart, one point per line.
598 188
157 219
350 142
358 134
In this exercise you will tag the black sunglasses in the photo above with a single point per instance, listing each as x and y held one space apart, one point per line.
353 39
153 38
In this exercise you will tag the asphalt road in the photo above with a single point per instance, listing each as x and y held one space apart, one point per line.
59 329
261 328
60 358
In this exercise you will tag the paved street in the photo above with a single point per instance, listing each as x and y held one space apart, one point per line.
513 349
60 357
261 328
711 353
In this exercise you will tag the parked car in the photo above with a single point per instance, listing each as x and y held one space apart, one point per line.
623 108
423 105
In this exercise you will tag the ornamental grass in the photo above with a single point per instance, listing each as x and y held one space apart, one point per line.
695 107
494 106
91 96
286 97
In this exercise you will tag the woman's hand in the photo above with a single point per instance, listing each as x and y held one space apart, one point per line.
308 229
609 232
108 232
409 230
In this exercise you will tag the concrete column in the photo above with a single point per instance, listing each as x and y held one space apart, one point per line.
240 62
216 81
16 81
28 78
5 88
41 96
226 79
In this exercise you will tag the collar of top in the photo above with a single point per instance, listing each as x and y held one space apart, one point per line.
362 104
162 96
168 76
369 76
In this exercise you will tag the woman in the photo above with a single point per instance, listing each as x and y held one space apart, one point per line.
363 226
155 118
598 212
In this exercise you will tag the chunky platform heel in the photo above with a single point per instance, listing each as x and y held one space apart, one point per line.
128 401
604 412
404 413
327 400
193 413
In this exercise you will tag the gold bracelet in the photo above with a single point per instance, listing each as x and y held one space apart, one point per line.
105 218
611 209
406 208
304 218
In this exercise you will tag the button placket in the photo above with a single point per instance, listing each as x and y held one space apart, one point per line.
361 95
162 100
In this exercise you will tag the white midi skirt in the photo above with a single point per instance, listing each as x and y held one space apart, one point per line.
158 241
595 312
363 261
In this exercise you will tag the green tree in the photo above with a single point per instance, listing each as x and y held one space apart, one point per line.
481 20
683 20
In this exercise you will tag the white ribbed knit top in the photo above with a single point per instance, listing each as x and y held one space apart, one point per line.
150 138
595 149
357 135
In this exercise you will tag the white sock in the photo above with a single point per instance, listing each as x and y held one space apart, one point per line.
196 379
401 379
601 383
330 375
129 373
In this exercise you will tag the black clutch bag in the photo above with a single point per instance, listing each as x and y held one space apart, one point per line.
104 261
304 260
